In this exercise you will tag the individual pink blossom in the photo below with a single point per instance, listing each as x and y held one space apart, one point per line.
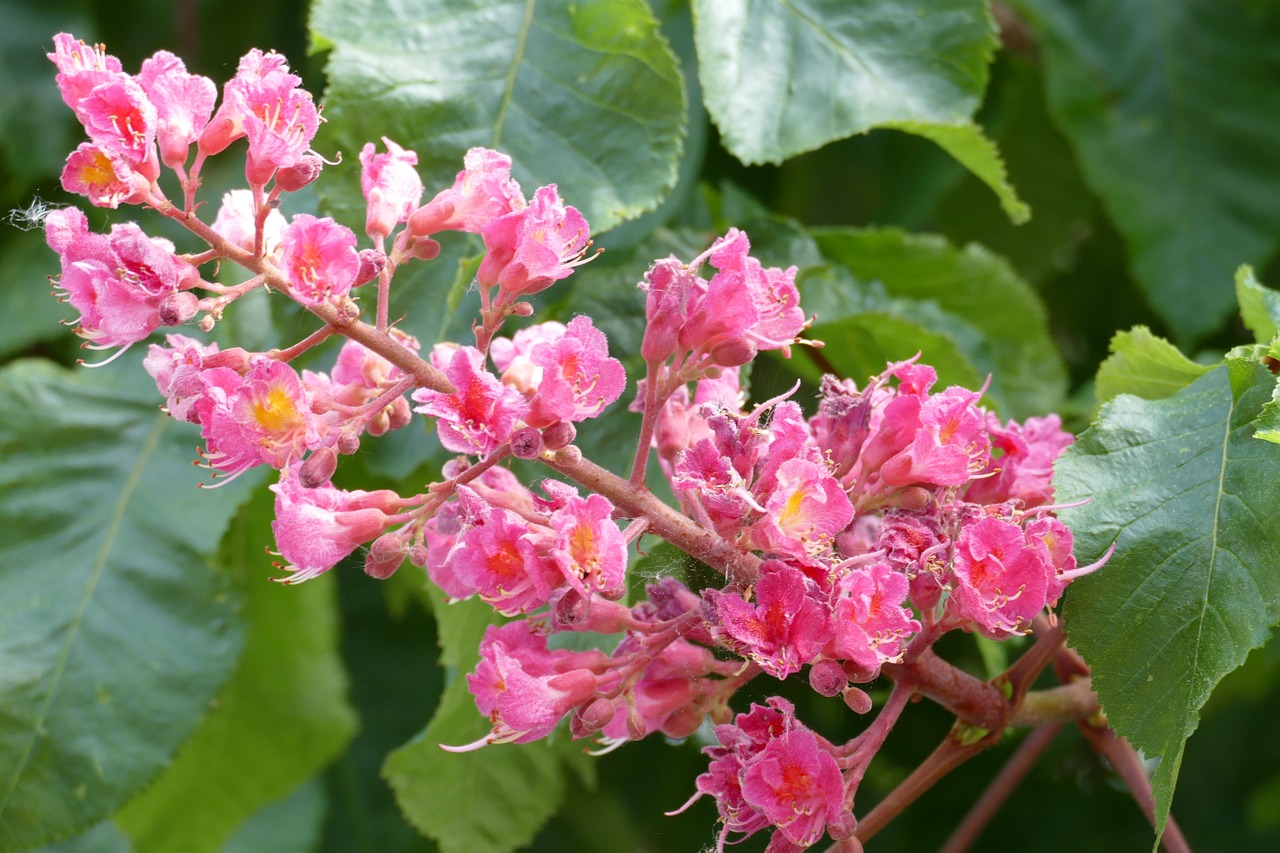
872 623
81 67
482 192
1023 470
530 249
184 103
912 544
579 379
939 439
119 282
176 370
317 528
480 415
524 688
784 630
1054 541
589 548
514 356
237 222
1001 582
106 180
263 417
703 473
667 286
499 559
773 292
121 121
796 784
318 258
804 511
391 187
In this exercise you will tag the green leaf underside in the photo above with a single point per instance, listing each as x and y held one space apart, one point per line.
1174 112
1192 504
978 289
583 94
782 78
1259 306
115 631
1146 366
281 718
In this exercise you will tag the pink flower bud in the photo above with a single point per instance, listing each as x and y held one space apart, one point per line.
526 443
593 718
318 468
178 308
683 722
300 174
348 444
857 700
827 678
559 435
418 555
372 263
385 555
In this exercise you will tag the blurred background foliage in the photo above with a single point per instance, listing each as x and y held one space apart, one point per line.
1095 253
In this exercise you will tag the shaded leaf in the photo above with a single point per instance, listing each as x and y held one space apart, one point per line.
1173 109
1192 504
976 288
280 719
1259 306
115 630
1146 366
583 94
782 78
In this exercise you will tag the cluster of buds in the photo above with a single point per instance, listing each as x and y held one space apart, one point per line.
849 539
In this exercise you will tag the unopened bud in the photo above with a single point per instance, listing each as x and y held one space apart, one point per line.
683 723
733 352
568 456
526 443
430 218
857 700
206 323
418 555
399 414
386 553
348 444
914 497
559 435
842 828
636 729
827 678
235 358
372 263
591 719
300 174
318 468
571 610
178 308
425 248
522 309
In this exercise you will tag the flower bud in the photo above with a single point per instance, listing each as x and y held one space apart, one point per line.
568 456
418 555
526 443
914 497
299 175
398 413
559 435
348 444
522 309
178 308
827 678
683 722
372 263
385 556
857 700
571 610
430 218
318 468
591 719
424 248
733 352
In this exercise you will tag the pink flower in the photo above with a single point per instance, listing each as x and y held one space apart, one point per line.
530 249
391 187
317 528
796 784
479 417
589 548
237 221
318 258
872 625
1000 581
482 192
104 179
579 379
184 102
499 559
261 417
81 67
526 688
177 370
785 630
1024 469
121 120
939 439
667 286
514 356
804 511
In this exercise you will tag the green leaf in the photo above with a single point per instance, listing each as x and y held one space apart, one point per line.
976 288
1259 306
291 825
493 799
115 629
281 718
582 93
1267 427
1146 366
782 78
1192 504
31 312
1174 110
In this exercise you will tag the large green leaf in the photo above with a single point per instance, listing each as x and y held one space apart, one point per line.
781 78
1192 503
1146 366
1173 108
1259 306
584 94
280 719
115 630
974 287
